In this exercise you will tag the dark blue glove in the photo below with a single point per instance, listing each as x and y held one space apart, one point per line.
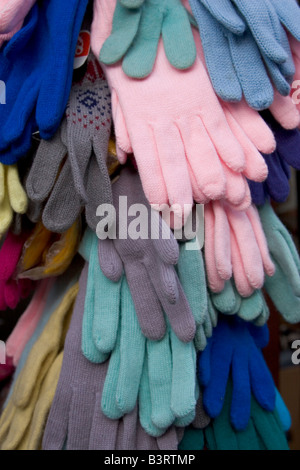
37 67
234 351
286 154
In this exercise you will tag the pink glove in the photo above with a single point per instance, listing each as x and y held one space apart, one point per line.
235 245
12 290
27 324
295 92
174 124
12 14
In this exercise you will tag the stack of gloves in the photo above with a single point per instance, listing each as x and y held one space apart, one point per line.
154 342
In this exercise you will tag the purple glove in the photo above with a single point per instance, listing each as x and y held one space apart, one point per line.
286 154
76 421
149 267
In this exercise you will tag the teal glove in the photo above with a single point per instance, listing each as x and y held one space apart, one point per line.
264 431
161 375
283 412
230 302
136 31
193 439
191 273
284 286
101 311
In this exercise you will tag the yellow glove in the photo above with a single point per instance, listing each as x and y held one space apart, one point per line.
17 415
32 439
12 196
46 254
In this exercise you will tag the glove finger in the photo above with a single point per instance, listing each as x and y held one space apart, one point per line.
132 354
140 58
178 38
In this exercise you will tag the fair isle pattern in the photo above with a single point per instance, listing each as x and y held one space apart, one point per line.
92 110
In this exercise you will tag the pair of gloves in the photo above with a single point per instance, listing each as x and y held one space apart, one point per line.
76 421
173 170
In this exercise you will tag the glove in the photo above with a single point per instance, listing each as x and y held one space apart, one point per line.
33 73
12 196
169 372
264 430
80 388
227 46
191 273
130 37
11 289
53 300
284 286
84 133
287 153
28 322
13 13
296 56
19 411
230 302
222 159
234 351
226 231
148 264
45 254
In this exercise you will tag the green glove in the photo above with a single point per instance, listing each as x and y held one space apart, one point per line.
136 32
284 286
230 302
161 375
264 431
193 439
101 308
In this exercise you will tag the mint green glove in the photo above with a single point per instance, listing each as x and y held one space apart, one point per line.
161 375
284 286
136 31
102 305
264 431
230 302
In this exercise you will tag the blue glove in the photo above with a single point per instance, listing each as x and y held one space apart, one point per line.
228 54
234 351
40 74
265 19
286 154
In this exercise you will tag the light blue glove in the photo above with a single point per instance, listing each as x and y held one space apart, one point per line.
161 375
102 305
230 302
264 18
284 286
240 57
136 32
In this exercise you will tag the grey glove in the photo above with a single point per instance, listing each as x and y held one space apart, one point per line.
71 168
